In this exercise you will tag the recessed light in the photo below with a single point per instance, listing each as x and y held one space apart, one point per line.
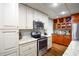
63 12
55 4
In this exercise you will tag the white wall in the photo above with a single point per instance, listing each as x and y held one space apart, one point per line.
50 27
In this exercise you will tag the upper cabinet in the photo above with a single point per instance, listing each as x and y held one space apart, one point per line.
30 14
10 15
27 15
36 17
75 18
22 16
39 16
45 20
63 23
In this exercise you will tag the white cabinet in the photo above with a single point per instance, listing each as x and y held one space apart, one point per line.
1 42
29 49
22 16
10 15
9 41
49 42
25 17
30 14
45 20
12 54
1 14
37 15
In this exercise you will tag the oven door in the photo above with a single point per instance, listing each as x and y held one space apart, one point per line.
42 46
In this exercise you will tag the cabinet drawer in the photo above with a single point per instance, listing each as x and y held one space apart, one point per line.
27 47
10 52
31 52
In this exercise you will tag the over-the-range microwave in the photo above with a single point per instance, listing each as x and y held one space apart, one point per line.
38 25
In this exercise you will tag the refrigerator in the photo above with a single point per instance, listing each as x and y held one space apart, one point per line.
75 31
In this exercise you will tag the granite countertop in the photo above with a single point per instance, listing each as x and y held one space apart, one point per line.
22 41
73 49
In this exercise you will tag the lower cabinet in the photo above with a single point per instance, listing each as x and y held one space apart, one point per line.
28 49
8 42
49 42
66 40
10 52
61 39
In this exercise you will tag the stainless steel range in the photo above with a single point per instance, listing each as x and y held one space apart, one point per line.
41 46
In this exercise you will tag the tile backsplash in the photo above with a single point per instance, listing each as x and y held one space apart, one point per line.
25 33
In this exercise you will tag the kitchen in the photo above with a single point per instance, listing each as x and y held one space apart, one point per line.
36 29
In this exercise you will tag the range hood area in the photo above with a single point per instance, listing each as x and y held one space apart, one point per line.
39 29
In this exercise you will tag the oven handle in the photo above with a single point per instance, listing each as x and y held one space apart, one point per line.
42 39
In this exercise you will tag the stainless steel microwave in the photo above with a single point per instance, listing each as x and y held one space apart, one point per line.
38 25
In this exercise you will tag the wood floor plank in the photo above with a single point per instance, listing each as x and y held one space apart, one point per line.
56 50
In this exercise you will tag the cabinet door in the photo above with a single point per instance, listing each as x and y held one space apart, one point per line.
9 39
45 20
54 38
10 15
60 39
49 42
30 15
1 42
12 54
40 16
36 15
66 40
75 18
28 49
1 14
22 16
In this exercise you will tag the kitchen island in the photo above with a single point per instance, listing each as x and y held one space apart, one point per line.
73 49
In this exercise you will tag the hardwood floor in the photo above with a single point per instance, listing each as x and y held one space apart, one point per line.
56 50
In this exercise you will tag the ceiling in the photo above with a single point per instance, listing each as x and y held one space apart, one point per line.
55 12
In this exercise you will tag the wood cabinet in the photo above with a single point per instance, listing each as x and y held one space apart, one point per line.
28 49
8 42
57 39
66 40
61 39
54 38
75 18
62 23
